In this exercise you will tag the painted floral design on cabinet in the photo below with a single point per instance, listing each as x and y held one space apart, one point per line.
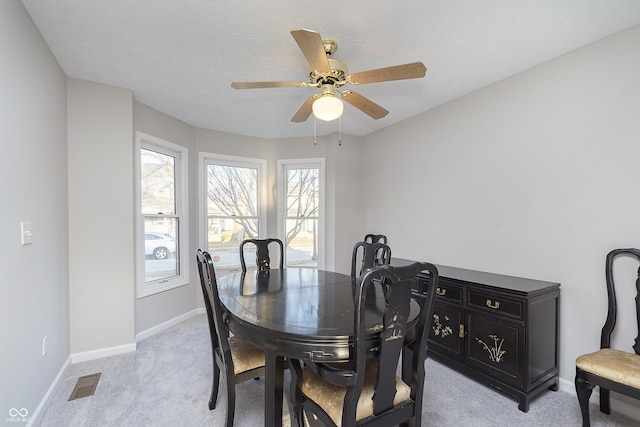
439 329
495 351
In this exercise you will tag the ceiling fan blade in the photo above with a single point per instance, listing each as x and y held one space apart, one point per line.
398 72
310 44
305 110
262 85
364 104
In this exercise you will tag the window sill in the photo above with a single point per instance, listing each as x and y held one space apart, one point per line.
153 288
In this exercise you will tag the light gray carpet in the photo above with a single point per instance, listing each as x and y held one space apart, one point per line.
167 382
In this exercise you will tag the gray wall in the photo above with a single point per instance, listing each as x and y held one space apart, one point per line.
34 278
101 248
534 176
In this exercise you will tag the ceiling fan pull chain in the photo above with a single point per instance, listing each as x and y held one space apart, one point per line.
340 131
314 130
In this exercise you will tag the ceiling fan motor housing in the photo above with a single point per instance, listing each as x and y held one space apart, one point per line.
337 76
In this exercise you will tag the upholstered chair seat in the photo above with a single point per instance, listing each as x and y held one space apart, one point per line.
330 397
615 365
245 356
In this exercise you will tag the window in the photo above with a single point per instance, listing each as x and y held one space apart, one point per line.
233 201
301 211
161 226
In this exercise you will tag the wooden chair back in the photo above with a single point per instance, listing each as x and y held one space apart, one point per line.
366 255
263 260
372 238
239 360
217 327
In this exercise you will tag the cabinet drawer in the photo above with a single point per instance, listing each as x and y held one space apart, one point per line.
492 303
449 292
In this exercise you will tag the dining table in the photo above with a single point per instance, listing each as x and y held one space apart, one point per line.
298 313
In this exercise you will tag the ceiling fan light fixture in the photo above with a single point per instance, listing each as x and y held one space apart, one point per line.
327 107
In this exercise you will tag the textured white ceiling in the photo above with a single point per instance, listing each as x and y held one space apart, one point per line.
180 56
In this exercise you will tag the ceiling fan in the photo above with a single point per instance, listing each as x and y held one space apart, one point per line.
330 75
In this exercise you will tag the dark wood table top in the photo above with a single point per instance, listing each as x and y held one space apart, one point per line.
305 313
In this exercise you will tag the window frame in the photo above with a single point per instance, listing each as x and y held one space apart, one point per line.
206 159
305 163
181 189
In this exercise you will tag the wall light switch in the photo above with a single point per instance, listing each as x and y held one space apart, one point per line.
25 230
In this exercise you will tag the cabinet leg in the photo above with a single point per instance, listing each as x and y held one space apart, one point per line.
523 404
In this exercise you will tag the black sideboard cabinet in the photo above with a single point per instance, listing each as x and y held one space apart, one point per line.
499 330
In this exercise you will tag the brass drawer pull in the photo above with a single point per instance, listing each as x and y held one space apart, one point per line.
493 305
441 292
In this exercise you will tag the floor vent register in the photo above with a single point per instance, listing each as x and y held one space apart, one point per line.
85 386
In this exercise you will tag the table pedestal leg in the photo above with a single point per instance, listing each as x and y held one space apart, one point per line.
274 373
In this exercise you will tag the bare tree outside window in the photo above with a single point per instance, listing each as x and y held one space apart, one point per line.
302 214
303 195
232 210
232 192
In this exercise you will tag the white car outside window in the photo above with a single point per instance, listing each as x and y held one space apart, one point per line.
159 245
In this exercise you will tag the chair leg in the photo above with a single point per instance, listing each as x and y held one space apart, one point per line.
231 402
583 390
605 401
297 415
214 387
294 409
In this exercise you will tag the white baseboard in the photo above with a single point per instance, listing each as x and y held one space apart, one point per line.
47 395
169 323
102 352
618 406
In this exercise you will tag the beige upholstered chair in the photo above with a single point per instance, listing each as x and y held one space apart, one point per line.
263 260
366 390
238 359
609 368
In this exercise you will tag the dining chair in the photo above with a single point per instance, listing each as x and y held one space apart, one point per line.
371 238
263 260
370 255
366 390
609 368
239 360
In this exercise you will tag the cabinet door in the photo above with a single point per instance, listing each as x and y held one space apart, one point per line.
444 336
496 347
